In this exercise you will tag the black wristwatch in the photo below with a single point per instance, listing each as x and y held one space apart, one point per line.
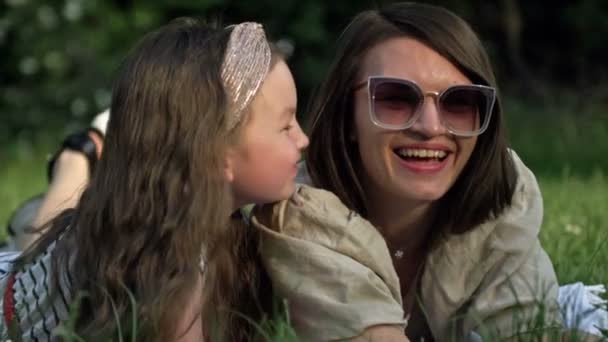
79 142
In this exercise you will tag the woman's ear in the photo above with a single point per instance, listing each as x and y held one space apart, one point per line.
352 135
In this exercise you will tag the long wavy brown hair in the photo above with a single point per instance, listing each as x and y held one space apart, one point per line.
158 202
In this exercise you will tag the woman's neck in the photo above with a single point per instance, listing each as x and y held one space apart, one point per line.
404 224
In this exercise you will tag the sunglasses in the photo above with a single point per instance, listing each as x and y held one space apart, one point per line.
395 104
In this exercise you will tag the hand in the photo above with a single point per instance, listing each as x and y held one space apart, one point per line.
382 333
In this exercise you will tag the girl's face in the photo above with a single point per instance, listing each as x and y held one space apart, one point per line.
263 165
421 163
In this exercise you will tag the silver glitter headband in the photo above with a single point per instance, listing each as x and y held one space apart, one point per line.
246 64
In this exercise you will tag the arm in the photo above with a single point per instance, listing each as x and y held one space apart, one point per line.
190 325
332 267
70 175
381 333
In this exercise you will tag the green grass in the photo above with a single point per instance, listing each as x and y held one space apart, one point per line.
575 228
560 137
565 145
22 175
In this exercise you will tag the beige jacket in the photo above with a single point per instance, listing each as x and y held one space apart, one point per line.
336 273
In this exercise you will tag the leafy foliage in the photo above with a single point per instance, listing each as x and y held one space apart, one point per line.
58 57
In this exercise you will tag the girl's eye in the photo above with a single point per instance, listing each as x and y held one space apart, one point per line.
287 128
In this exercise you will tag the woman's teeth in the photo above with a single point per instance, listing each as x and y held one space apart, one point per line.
420 153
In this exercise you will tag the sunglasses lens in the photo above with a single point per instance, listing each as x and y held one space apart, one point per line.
395 103
464 109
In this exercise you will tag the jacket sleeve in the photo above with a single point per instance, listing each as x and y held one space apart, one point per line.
332 267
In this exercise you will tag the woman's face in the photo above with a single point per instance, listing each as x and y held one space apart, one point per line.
421 163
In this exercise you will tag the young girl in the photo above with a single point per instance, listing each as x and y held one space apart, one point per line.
203 122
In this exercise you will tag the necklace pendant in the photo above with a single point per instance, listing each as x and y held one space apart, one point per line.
398 254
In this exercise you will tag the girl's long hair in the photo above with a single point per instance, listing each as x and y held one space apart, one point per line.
157 197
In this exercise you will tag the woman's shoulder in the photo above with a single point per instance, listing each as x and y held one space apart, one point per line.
527 197
482 262
515 227
523 217
503 242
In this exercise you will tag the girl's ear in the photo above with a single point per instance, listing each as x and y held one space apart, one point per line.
229 166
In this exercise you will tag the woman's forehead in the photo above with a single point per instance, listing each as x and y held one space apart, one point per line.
408 58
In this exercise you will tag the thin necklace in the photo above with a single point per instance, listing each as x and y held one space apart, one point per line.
398 253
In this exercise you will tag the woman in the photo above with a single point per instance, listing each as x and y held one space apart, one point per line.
407 132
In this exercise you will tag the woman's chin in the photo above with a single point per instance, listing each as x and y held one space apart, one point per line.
423 192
